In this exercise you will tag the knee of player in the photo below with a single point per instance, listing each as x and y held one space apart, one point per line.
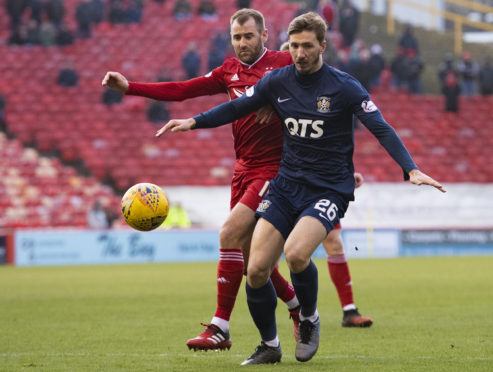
296 261
230 237
257 276
333 245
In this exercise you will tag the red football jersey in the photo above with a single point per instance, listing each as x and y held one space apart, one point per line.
255 145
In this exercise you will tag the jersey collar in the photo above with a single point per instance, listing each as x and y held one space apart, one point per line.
258 59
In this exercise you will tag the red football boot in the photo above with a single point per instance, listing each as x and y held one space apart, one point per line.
352 318
212 338
295 315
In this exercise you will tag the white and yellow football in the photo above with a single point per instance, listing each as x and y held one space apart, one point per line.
145 206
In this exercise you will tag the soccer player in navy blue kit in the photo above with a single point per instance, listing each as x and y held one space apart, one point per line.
315 182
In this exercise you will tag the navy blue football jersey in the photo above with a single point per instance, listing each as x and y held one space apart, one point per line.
316 112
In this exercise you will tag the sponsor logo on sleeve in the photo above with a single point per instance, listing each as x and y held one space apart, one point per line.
209 74
368 106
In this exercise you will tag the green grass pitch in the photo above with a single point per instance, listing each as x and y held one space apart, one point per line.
430 314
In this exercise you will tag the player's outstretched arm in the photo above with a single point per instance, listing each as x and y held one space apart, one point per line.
115 81
177 126
419 178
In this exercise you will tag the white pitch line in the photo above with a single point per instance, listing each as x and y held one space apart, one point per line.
207 354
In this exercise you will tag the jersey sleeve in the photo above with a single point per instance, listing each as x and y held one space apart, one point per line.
254 98
371 117
210 84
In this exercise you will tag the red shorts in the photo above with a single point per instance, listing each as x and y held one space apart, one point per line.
250 186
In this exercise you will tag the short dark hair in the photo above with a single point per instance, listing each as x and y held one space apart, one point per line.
310 21
243 15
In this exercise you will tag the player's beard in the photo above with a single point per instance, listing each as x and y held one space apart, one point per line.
249 55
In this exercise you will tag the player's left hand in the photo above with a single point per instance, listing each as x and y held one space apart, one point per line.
358 179
264 114
177 126
419 178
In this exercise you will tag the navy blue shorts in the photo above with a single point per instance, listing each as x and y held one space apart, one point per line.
287 201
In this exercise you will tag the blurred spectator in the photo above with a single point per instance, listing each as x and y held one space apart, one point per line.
111 97
55 11
348 22
117 12
451 91
134 11
486 77
47 33
240 4
215 57
191 61
182 10
328 10
15 8
177 217
408 42
398 68
468 70
414 69
68 77
36 7
98 11
33 32
445 67
19 36
358 65
97 217
158 113
64 36
207 10
376 64
85 18
221 41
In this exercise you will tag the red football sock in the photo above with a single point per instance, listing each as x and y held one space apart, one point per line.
339 273
284 290
229 277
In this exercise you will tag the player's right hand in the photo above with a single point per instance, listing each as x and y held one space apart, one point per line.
115 81
177 126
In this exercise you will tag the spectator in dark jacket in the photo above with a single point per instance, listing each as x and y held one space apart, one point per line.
348 22
414 69
486 77
158 113
191 62
15 8
376 64
68 77
85 18
408 42
469 71
64 36
55 11
398 68
451 91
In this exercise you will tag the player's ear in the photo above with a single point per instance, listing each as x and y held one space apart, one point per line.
323 45
265 36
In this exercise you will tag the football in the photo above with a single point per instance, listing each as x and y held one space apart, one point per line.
145 206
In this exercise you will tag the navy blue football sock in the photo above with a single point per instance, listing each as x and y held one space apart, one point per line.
262 303
306 287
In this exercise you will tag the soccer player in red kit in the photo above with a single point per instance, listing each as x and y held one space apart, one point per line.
257 161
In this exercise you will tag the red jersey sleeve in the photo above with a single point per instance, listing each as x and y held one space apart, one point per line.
210 84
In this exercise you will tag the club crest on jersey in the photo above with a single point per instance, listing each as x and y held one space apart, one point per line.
263 205
368 106
323 104
268 69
